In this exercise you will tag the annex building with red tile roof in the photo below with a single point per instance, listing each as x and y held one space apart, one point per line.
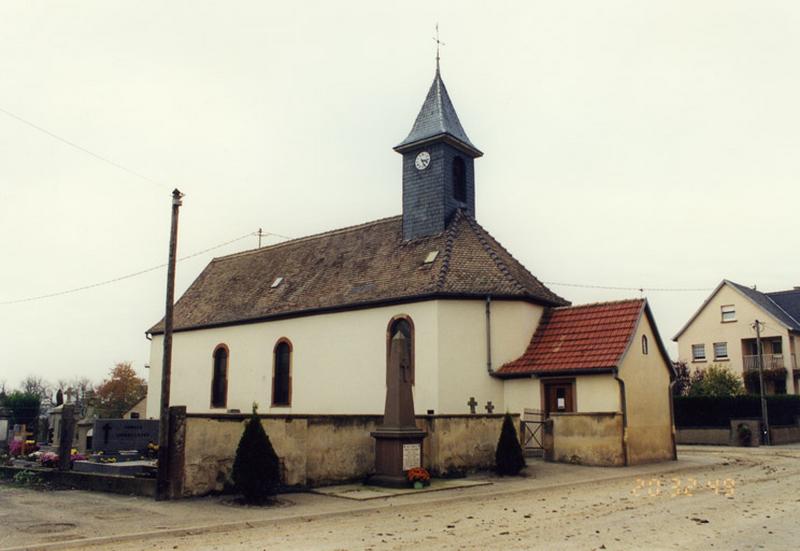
302 327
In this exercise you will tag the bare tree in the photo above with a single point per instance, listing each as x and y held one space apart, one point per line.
38 387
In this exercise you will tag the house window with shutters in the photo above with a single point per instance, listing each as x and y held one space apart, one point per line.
698 352
720 351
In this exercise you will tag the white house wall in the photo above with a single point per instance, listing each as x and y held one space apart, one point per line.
647 399
522 393
339 359
597 393
463 370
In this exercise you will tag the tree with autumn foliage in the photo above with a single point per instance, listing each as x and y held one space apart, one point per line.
120 392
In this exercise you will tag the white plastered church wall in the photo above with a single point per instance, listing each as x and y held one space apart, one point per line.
463 371
339 359
338 362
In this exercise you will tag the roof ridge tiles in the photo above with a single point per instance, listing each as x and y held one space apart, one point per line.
604 303
481 234
450 236
329 233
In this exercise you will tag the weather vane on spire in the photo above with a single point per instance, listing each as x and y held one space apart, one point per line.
438 43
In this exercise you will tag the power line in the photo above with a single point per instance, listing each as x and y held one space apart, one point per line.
127 276
639 289
80 148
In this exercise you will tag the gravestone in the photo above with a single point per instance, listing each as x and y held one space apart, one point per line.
398 441
113 435
66 436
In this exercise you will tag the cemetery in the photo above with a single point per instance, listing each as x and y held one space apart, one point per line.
121 459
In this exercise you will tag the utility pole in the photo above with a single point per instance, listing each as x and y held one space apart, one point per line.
162 484
764 414
260 233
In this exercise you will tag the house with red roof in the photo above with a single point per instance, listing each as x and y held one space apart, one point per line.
598 368
302 327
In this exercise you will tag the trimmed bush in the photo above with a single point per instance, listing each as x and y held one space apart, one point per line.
716 381
508 458
716 411
256 469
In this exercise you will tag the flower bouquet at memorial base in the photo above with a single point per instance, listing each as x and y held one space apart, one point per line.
418 477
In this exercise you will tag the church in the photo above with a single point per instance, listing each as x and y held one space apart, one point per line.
303 327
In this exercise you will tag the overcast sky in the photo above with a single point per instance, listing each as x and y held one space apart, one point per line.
627 143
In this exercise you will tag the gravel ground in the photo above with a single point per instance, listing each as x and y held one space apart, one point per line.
677 505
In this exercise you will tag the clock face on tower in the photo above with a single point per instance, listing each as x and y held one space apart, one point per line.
423 160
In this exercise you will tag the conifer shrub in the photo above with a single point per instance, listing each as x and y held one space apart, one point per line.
256 469
508 458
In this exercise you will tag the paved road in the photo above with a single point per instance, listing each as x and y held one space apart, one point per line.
711 499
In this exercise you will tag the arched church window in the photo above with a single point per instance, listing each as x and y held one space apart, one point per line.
459 180
219 377
404 325
282 374
644 344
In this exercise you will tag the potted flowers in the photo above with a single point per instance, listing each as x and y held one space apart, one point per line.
418 477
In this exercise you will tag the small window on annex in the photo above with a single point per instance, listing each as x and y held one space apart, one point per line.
698 352
720 351
404 325
459 180
219 377
282 374
728 313
644 345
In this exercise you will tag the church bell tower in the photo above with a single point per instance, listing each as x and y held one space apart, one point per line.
438 166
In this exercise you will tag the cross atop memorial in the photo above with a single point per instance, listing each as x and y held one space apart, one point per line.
489 407
472 403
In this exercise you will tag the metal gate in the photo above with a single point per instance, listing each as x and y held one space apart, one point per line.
532 432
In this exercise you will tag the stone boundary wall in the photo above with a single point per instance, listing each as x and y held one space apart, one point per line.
716 436
709 436
316 450
784 434
126 485
585 439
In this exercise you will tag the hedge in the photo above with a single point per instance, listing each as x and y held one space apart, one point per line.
713 411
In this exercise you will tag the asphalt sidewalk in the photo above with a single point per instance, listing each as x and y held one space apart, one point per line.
33 519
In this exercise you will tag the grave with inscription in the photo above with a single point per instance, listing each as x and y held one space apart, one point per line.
114 435
121 446
398 441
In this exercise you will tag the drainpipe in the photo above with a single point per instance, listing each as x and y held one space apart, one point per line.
489 333
624 407
672 419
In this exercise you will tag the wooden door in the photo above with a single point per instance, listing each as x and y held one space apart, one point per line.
559 397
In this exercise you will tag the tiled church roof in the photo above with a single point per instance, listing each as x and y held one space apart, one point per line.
579 338
355 267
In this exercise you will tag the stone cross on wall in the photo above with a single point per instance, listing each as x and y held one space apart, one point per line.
472 403
489 407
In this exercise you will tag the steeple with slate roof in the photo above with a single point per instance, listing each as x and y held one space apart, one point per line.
438 120
438 166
